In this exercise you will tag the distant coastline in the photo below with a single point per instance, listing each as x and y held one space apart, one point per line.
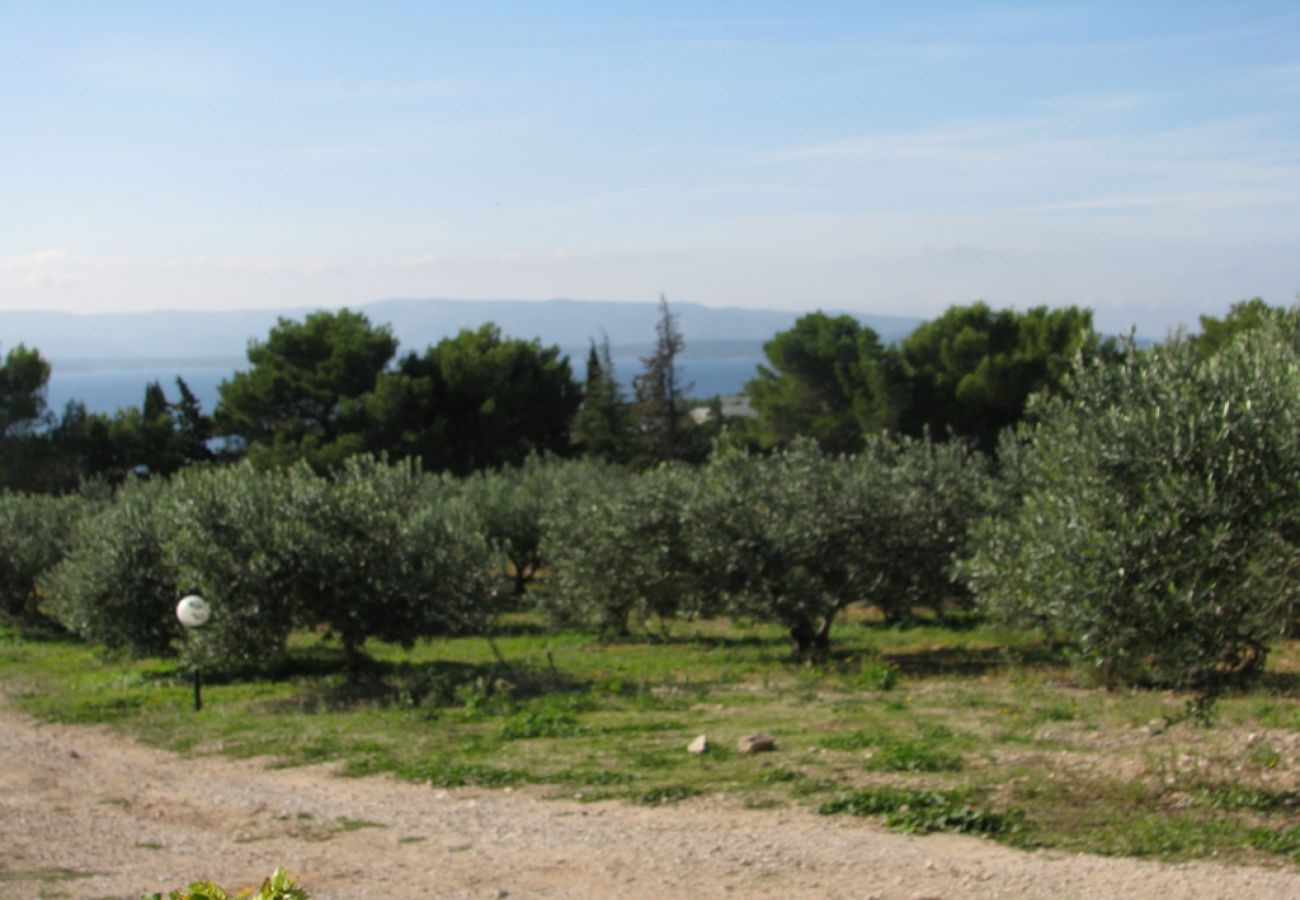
712 368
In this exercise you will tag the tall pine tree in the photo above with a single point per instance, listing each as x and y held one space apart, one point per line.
660 411
602 425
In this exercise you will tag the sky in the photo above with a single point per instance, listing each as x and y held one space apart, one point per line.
1139 159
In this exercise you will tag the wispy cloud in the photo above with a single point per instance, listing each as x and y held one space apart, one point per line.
1198 201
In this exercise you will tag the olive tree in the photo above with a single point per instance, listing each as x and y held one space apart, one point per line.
240 542
914 501
35 533
390 554
618 549
1158 512
777 538
117 584
512 504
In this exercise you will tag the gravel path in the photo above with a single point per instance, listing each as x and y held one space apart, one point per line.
84 813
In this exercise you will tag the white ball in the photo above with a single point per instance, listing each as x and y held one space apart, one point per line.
193 611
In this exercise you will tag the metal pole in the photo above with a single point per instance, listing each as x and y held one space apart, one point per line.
198 689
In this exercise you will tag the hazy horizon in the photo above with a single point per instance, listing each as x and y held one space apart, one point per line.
1141 161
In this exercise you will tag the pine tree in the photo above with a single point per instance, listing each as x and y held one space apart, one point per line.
602 423
660 399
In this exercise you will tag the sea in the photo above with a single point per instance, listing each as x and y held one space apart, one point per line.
716 369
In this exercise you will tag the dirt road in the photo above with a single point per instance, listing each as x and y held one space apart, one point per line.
87 814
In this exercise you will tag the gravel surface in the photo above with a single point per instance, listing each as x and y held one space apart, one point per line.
85 813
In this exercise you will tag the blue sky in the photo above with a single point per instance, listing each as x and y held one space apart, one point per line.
1142 159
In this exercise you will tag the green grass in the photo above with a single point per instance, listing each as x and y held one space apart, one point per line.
975 730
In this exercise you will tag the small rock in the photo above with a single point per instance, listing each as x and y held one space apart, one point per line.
699 745
756 743
74 754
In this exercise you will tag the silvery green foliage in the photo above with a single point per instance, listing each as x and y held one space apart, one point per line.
117 584
617 548
914 501
375 551
239 541
392 554
512 503
35 532
777 537
1158 512
797 536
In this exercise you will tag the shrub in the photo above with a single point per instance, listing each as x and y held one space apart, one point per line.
277 887
240 541
619 550
35 533
513 504
1158 512
915 501
777 537
390 554
117 584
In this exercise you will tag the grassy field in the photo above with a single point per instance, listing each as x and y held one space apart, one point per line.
927 728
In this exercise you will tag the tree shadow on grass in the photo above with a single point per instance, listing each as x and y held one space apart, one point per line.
973 661
1281 683
429 684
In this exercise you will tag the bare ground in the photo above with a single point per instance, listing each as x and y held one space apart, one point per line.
88 814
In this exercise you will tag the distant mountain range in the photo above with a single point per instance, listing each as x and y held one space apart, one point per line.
176 335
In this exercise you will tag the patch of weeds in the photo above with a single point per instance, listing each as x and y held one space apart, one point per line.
540 723
1053 712
1273 715
763 803
149 845
1266 756
672 793
854 740
1282 843
445 774
343 824
481 699
649 759
779 776
878 676
1166 835
924 812
645 726
598 778
411 840
894 755
809 786
906 756
1239 797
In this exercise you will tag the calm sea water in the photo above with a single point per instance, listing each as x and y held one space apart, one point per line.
108 387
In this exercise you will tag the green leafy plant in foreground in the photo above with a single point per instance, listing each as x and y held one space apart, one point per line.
279 886
923 812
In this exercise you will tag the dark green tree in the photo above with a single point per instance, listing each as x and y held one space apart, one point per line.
291 402
1244 315
23 379
602 426
159 437
472 402
971 370
826 381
